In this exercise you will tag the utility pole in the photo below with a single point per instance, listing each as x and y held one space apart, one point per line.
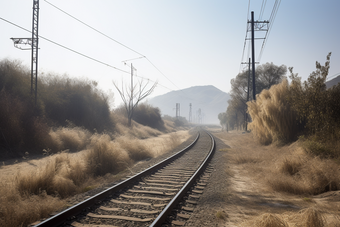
199 112
253 52
248 94
33 42
177 110
258 26
190 113
131 86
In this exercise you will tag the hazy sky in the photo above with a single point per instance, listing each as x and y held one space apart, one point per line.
192 42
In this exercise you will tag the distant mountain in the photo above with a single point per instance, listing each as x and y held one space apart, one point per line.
209 99
333 82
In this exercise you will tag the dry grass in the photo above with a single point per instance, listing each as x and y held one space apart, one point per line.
35 192
307 175
105 156
221 215
267 220
73 138
309 217
287 169
135 149
16 210
272 117
61 177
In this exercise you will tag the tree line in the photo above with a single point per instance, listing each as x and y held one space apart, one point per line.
266 75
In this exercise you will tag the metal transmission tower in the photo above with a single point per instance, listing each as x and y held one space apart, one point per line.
178 113
190 113
33 42
199 116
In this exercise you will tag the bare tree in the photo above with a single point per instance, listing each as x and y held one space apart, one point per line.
133 94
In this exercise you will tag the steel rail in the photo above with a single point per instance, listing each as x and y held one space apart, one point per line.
61 217
168 209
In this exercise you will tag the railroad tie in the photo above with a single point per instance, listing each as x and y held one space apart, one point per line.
77 224
137 203
119 217
131 210
144 197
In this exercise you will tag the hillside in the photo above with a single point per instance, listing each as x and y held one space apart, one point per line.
333 82
209 99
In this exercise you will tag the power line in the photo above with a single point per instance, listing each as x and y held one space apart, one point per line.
94 29
271 20
263 6
142 56
245 39
98 61
67 48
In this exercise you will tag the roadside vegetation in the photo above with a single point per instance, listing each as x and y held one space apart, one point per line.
305 110
280 175
304 119
85 142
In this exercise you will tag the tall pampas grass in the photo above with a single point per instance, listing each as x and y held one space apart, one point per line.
273 119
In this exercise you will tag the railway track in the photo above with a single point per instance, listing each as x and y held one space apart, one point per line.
162 195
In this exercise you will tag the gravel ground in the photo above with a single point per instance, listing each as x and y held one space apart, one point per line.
209 210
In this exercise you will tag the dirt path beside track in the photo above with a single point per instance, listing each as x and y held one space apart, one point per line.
237 192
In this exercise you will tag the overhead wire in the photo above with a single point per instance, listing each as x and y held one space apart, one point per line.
263 6
87 25
94 28
67 48
245 39
98 61
270 25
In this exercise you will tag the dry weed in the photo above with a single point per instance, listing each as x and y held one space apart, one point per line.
291 164
57 177
272 116
135 149
75 138
242 159
105 156
309 217
173 141
16 210
299 173
267 220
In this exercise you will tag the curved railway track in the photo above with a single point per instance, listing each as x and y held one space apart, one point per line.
150 197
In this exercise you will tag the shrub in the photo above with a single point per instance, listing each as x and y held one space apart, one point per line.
148 115
105 156
306 176
72 138
135 149
77 101
273 119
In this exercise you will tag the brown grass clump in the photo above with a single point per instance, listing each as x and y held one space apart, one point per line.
242 159
16 210
174 140
59 177
267 220
310 176
138 131
311 217
72 138
135 149
105 156
292 164
272 116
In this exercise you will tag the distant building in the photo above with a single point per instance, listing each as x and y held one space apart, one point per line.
333 82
